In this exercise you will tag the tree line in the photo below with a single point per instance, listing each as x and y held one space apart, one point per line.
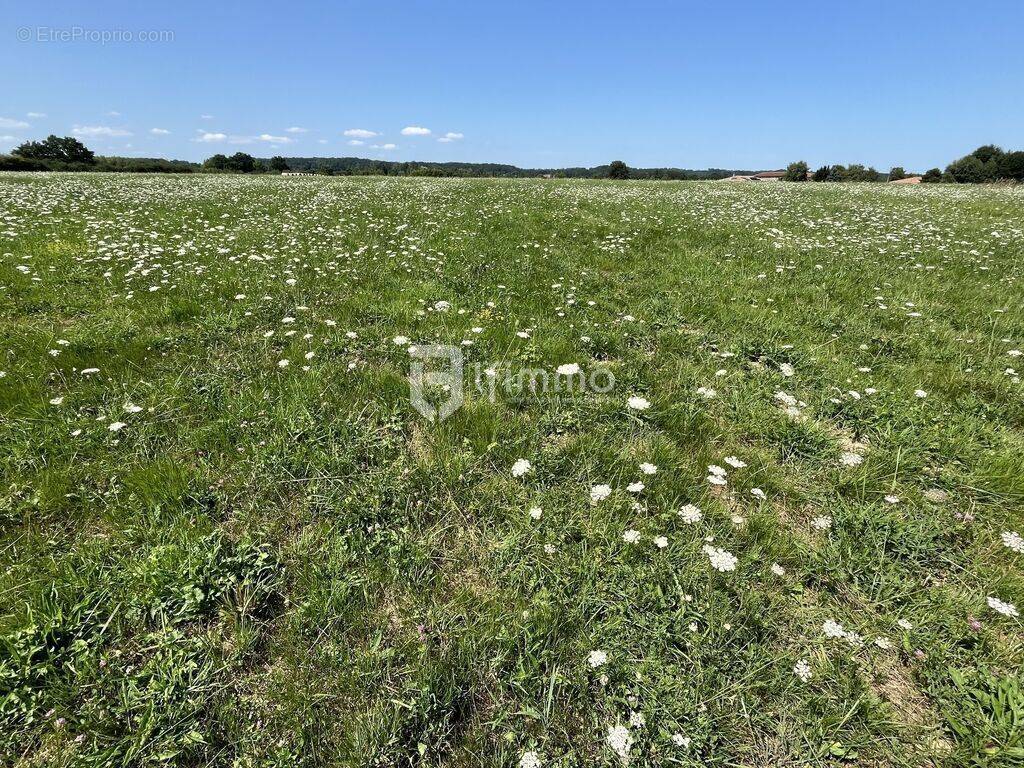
987 163
67 153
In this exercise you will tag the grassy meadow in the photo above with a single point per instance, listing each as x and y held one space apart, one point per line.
789 535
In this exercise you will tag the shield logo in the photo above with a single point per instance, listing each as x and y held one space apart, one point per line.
427 386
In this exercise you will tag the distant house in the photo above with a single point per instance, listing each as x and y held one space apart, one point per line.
907 180
297 173
762 176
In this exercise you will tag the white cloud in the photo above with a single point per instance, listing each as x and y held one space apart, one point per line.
159 131
415 130
210 138
274 139
321 141
450 136
95 131
356 142
35 114
360 133
384 146
206 117
113 113
6 122
296 129
7 138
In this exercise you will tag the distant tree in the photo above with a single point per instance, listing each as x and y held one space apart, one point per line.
967 170
822 174
837 173
66 149
241 162
896 173
217 162
278 163
796 171
987 152
618 170
931 176
18 163
1011 166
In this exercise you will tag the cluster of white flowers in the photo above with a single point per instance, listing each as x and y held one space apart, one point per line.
717 475
600 493
1006 609
521 467
620 740
529 760
690 513
850 459
835 629
720 559
1013 540
597 659
638 403
802 669
790 405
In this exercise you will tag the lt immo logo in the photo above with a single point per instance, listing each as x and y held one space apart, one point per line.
436 392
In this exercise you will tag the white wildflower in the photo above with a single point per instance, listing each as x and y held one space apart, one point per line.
802 669
691 514
521 467
721 560
1013 540
997 605
620 740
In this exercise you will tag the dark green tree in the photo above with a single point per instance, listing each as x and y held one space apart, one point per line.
64 149
822 174
278 163
987 152
217 162
241 162
896 173
967 170
796 171
1011 166
931 176
618 170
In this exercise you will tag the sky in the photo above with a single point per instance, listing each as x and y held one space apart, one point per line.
728 84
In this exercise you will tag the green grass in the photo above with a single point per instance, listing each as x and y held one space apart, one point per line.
289 566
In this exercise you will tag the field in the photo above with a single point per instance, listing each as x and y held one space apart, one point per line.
788 535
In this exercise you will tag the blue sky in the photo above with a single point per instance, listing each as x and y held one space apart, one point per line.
684 84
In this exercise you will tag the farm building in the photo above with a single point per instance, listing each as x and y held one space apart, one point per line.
763 176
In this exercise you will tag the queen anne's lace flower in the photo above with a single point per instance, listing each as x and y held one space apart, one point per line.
521 467
720 559
1007 609
1013 540
620 740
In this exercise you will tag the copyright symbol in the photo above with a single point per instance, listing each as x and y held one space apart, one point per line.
24 34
